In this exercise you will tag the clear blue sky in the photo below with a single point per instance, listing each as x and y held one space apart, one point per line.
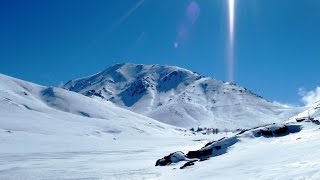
277 42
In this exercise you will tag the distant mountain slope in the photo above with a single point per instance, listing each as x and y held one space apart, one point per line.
180 97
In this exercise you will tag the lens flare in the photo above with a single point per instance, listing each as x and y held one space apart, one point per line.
192 15
125 16
193 12
231 10
117 23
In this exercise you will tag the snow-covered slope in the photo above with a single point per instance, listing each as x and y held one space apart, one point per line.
51 133
294 156
312 111
180 97
45 131
28 110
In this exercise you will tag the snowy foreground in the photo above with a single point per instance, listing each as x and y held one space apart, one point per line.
51 133
292 157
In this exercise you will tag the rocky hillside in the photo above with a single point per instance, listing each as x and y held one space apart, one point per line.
180 97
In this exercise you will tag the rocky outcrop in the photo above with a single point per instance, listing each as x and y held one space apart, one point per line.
221 146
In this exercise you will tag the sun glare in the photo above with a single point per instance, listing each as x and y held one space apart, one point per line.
231 10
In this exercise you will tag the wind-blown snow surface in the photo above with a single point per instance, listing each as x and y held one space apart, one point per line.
179 97
27 107
50 133
43 129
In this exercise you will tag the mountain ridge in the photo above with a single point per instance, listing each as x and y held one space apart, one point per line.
179 97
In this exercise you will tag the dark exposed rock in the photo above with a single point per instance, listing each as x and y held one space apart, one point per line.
267 133
243 131
316 122
172 158
301 119
84 114
94 93
275 131
203 159
210 143
190 163
27 107
164 161
216 148
281 131
199 153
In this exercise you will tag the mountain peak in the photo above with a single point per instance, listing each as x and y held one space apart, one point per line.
128 72
176 96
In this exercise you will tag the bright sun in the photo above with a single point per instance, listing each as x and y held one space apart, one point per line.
231 10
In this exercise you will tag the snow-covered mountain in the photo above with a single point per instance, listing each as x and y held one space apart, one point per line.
180 97
51 133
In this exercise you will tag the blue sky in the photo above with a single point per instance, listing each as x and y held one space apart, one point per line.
277 42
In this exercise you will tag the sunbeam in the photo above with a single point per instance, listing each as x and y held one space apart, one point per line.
231 10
